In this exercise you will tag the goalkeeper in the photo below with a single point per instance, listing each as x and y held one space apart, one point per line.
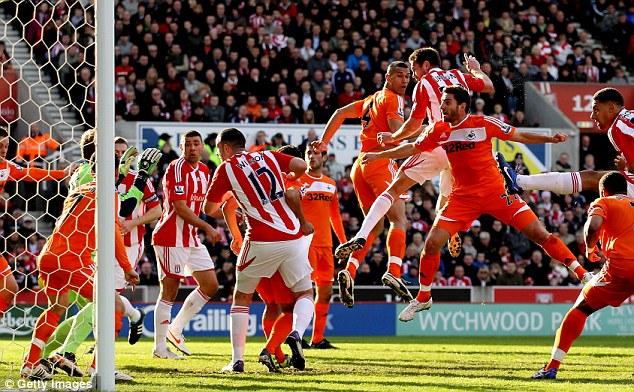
74 330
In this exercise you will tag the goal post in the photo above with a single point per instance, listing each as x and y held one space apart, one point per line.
105 124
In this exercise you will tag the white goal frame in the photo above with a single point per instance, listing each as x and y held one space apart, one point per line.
105 114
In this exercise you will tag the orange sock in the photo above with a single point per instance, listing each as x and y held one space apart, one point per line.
319 322
427 269
556 249
570 329
279 333
44 328
395 250
359 255
267 326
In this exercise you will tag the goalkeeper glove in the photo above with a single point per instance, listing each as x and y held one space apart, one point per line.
126 160
148 161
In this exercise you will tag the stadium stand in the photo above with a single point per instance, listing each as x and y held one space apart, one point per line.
297 61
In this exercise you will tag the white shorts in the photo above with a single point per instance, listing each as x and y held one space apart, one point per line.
262 259
630 189
134 252
178 262
427 165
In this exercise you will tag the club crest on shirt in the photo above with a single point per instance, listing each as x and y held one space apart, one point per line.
471 135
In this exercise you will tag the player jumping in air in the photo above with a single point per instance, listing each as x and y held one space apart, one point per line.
478 187
610 115
422 166
610 222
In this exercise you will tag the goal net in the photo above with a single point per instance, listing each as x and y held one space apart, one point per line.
47 101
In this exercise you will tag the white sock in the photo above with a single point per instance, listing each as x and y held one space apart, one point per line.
162 316
192 305
130 311
379 208
558 354
302 314
561 183
239 329
354 262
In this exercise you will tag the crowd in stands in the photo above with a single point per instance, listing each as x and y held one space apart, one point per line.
286 61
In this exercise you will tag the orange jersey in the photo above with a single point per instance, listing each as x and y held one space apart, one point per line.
320 204
73 239
10 171
378 108
617 231
469 150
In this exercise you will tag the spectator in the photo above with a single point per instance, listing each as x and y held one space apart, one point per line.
510 276
34 148
147 276
439 280
563 164
484 278
458 278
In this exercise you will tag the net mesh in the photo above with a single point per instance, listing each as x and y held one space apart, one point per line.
46 104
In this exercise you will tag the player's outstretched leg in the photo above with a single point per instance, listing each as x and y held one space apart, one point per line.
510 176
570 329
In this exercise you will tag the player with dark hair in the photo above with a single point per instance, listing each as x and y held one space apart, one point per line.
275 237
178 248
609 115
466 139
610 222
381 112
422 166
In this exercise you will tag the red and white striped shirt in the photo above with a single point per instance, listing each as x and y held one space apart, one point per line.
621 134
256 180
428 91
182 181
149 201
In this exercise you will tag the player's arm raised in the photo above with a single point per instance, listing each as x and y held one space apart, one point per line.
537 138
353 110
473 66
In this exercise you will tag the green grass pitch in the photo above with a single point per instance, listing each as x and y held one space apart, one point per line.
375 364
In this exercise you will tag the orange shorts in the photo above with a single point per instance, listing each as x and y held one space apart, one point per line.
323 263
372 179
72 276
609 287
5 269
273 290
460 211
